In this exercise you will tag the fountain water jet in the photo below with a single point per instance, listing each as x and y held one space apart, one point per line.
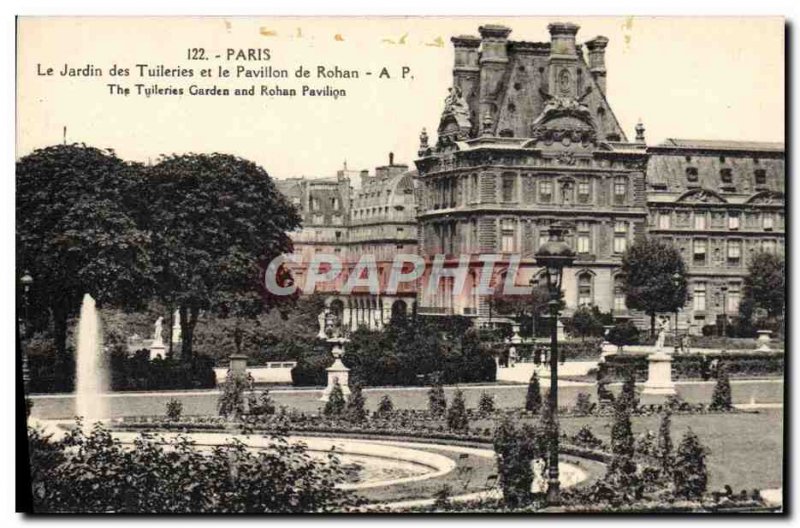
91 369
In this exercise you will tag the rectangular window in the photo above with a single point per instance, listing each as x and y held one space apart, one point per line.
619 297
620 237
734 252
509 185
473 188
699 252
761 177
584 191
769 246
584 240
508 232
620 189
733 221
726 175
700 296
663 220
768 221
734 297
700 221
545 191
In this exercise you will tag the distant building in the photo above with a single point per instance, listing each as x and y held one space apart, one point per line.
527 137
377 218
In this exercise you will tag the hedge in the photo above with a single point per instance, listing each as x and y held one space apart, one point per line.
696 366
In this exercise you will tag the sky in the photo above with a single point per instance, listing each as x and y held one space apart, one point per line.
693 77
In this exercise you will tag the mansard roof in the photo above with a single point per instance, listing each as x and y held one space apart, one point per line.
720 145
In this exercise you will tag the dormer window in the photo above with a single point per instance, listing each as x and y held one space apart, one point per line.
726 175
761 177
691 174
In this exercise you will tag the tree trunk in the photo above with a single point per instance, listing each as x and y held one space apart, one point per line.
188 322
652 325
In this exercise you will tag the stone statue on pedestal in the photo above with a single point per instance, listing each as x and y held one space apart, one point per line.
662 333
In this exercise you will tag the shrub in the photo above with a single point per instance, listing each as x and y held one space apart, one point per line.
231 403
624 334
355 411
622 470
486 403
457 414
627 395
385 406
689 475
335 405
264 406
586 438
583 404
174 410
515 449
442 497
437 403
533 398
721 399
93 473
585 322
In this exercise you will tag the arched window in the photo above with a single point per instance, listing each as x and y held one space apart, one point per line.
585 297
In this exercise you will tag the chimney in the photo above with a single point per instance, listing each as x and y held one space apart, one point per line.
597 60
466 72
391 158
493 62
563 74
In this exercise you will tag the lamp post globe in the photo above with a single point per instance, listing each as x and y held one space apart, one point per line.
554 255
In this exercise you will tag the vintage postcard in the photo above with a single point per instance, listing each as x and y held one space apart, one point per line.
401 264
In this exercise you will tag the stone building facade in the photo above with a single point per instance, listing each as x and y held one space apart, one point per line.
527 137
719 202
376 216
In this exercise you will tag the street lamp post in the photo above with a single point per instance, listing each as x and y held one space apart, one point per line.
27 281
554 256
724 289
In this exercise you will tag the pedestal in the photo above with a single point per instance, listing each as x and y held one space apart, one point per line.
560 331
337 371
659 375
238 366
157 349
763 340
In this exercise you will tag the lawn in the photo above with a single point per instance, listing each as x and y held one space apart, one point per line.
746 449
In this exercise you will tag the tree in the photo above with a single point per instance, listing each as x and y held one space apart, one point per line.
80 229
664 442
622 439
217 222
437 403
385 406
650 268
355 411
586 322
457 419
515 450
764 285
533 398
721 399
335 405
690 475
174 410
